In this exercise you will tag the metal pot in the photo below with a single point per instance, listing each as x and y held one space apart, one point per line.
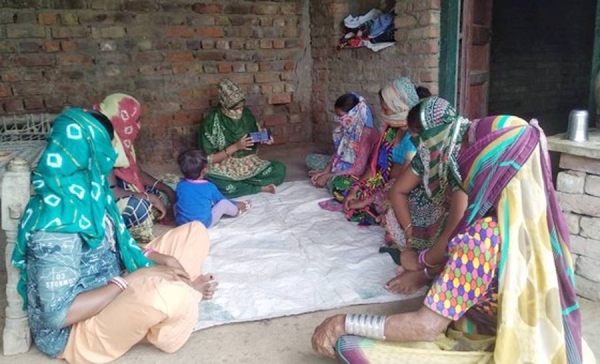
578 126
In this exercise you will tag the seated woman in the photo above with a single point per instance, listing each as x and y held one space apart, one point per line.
136 191
505 250
364 196
353 138
72 249
233 164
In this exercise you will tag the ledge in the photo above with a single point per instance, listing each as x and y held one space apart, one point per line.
589 149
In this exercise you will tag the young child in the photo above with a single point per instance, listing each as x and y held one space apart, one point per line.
199 199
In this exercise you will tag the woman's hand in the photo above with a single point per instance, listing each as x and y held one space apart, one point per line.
315 172
327 334
158 204
409 259
245 143
269 142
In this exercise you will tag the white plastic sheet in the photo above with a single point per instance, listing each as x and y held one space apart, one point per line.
287 256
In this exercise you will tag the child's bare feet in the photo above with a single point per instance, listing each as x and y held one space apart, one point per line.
243 207
206 285
269 189
406 282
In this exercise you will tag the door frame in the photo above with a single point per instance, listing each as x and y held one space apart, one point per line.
449 49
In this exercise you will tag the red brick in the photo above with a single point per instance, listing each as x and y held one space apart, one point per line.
222 44
266 77
33 104
70 32
290 65
277 119
207 8
34 60
68 46
266 44
224 67
265 9
210 32
242 78
180 57
211 56
195 104
10 76
239 68
47 19
279 43
13 105
51 46
280 99
265 67
73 59
180 32
30 47
55 101
25 31
251 67
147 57
5 91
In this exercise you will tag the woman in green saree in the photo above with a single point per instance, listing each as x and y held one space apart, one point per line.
233 163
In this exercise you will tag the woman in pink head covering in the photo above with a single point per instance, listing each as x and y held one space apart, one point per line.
136 191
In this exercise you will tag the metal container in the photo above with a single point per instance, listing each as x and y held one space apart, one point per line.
578 126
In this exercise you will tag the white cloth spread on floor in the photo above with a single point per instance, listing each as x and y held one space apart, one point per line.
287 256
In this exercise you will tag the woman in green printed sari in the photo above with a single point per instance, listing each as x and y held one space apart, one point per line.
224 136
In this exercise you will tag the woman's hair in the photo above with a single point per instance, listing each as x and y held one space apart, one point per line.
413 118
346 102
423 92
102 119
191 163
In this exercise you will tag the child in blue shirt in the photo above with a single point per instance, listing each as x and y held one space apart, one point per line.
199 199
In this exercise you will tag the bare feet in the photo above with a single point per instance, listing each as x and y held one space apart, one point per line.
243 207
269 189
207 285
406 282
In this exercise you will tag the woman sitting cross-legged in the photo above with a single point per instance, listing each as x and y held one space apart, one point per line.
503 287
138 194
364 196
90 291
354 139
232 155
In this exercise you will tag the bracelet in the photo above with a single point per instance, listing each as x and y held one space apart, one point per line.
227 154
119 282
371 326
148 252
427 273
423 262
155 183
408 227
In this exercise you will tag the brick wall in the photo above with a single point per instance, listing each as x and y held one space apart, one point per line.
541 59
360 70
169 54
581 182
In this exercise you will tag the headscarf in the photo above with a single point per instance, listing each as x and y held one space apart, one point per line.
399 96
124 112
440 139
71 192
230 94
347 134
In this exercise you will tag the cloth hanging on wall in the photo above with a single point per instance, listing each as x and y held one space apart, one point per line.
374 30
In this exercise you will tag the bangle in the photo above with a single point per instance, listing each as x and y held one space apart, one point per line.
119 282
148 252
146 195
371 326
408 227
427 273
423 262
155 183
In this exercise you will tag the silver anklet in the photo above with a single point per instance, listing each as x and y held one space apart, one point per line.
372 326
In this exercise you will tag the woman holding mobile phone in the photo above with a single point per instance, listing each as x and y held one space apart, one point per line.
225 136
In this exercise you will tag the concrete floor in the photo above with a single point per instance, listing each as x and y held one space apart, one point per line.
283 340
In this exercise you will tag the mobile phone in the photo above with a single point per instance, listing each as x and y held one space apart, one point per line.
260 136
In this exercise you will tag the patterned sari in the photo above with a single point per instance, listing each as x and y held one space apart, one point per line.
512 272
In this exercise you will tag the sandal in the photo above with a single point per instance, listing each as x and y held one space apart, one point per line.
247 205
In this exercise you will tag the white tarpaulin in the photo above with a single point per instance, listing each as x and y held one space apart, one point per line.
287 256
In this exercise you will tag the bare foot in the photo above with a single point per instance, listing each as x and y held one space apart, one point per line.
206 285
407 282
269 189
243 207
